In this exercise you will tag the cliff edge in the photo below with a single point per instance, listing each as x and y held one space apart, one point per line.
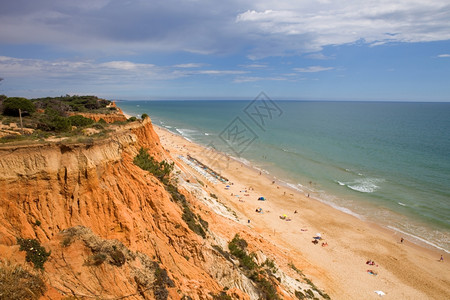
115 231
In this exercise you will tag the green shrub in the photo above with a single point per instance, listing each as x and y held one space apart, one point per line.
80 121
238 248
268 289
189 217
144 116
221 251
132 119
51 120
162 171
309 294
146 162
35 252
162 281
12 138
61 124
12 105
300 295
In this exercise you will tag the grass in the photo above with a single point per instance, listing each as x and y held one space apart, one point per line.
17 283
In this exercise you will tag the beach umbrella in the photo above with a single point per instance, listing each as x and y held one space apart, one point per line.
318 234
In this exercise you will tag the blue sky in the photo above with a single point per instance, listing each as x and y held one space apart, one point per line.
200 49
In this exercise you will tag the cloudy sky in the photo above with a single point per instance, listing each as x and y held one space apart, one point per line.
229 49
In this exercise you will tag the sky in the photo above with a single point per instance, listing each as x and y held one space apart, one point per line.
396 50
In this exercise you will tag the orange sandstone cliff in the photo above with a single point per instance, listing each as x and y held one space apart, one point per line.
114 231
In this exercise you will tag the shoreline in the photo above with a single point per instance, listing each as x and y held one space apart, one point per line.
419 241
311 209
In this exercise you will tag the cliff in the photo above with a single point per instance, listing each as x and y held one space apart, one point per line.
115 232
108 118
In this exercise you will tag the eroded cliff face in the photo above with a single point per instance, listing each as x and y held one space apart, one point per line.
88 202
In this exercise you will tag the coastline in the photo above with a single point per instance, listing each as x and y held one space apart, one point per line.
405 270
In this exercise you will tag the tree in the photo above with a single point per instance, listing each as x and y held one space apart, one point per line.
12 105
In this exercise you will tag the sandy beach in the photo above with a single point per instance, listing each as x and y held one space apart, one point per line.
337 263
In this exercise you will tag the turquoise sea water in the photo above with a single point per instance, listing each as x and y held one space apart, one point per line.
384 162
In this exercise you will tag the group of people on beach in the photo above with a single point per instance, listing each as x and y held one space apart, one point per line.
371 263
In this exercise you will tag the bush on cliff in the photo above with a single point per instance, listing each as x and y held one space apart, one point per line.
146 162
51 120
259 274
162 171
80 121
35 252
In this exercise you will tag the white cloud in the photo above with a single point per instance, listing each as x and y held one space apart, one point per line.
254 66
221 72
189 65
91 72
125 65
302 27
313 69
78 70
243 79
260 28
319 56
443 55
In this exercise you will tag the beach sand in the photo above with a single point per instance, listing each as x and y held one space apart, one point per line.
404 270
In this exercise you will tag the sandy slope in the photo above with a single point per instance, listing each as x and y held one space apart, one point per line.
404 270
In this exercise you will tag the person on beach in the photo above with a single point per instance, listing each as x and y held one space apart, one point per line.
401 240
441 259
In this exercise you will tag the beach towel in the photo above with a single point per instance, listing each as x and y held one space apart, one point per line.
380 293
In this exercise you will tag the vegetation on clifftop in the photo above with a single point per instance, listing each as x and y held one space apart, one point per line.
40 118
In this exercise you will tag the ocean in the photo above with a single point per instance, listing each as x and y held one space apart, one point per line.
385 162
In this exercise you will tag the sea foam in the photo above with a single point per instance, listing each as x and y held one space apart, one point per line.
363 185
